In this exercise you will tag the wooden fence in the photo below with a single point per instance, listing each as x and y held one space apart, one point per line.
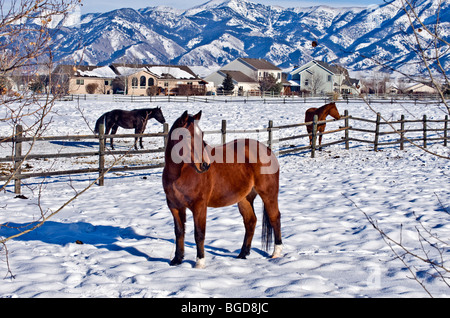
425 132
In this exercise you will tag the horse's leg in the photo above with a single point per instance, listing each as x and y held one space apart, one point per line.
273 214
179 219
199 214
269 197
144 124
248 214
113 132
321 130
137 131
309 130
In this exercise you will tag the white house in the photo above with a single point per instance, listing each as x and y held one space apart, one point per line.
420 88
246 74
242 83
322 78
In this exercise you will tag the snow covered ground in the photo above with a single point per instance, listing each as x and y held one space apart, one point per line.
330 248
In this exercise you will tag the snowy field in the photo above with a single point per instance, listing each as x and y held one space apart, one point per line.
330 248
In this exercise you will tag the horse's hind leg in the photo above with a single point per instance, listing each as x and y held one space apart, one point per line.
140 128
248 214
272 219
113 132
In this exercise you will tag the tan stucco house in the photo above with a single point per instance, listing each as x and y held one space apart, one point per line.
82 79
129 79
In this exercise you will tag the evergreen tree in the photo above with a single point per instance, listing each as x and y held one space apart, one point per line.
228 85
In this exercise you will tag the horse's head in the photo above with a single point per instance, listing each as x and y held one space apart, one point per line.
158 115
334 111
189 146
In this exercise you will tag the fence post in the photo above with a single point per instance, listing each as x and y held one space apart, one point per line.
314 136
402 132
166 136
269 129
17 160
377 132
445 130
101 155
347 125
424 131
224 131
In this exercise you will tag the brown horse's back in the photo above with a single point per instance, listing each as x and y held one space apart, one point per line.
309 114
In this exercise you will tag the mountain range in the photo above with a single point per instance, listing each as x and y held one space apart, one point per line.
218 31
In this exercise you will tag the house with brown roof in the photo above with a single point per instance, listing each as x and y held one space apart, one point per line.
247 73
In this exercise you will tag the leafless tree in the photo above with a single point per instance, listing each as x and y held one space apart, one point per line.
428 257
317 82
27 30
425 37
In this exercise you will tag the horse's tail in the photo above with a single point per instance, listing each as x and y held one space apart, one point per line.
99 121
267 230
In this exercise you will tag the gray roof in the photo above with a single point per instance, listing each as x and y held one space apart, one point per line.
239 76
260 64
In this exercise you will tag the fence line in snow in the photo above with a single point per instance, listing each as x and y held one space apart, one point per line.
424 131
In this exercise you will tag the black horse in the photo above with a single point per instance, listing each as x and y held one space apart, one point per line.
136 118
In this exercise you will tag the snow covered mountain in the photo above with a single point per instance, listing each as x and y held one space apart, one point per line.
219 31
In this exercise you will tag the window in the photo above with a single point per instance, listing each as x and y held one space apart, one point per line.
134 82
151 82
108 82
166 84
306 82
142 81
329 78
80 81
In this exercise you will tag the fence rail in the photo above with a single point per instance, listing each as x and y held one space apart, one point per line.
265 98
398 133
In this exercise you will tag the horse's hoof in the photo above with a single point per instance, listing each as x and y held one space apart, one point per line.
175 262
277 251
201 263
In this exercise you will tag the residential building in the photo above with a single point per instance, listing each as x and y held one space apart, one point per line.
242 82
247 73
158 79
320 78
81 79
130 79
420 88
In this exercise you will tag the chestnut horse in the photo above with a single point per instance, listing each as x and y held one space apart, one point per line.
129 119
322 113
196 176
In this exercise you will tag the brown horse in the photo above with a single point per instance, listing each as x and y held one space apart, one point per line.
197 176
322 113
128 119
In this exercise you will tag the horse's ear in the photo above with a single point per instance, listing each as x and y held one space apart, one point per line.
184 117
198 115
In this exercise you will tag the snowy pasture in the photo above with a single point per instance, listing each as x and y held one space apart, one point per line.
330 248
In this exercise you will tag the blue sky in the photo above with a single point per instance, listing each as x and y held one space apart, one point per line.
108 5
